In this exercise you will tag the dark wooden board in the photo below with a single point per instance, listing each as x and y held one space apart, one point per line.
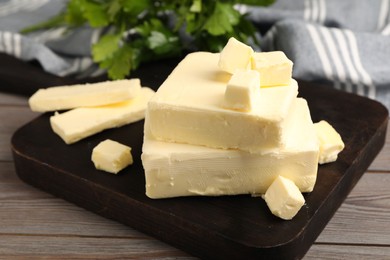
235 227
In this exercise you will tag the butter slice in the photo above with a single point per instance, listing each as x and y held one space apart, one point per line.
84 95
187 108
274 67
235 55
173 169
330 142
79 123
283 198
111 156
243 90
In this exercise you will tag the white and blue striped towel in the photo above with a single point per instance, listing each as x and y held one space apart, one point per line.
343 43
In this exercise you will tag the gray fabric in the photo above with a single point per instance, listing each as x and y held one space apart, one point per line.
344 43
59 53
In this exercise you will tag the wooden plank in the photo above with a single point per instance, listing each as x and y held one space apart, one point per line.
12 99
368 205
7 173
84 247
381 162
48 215
12 118
347 252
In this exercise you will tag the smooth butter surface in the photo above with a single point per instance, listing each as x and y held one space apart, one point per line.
173 169
84 95
79 123
188 108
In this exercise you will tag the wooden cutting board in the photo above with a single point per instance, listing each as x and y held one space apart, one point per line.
235 227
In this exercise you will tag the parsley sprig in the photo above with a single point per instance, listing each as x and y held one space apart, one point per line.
138 31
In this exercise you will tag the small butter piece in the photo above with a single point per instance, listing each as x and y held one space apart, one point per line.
330 142
235 55
84 95
283 198
111 156
79 123
243 90
274 67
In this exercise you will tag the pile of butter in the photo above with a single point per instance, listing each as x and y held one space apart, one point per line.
231 123
87 109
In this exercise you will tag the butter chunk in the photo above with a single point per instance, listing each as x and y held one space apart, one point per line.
283 198
174 169
111 156
330 142
235 55
80 123
187 108
274 67
84 95
243 90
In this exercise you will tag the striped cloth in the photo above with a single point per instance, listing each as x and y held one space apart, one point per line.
343 43
59 53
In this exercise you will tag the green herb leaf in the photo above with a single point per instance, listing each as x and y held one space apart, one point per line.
163 44
95 13
257 2
222 20
119 65
74 13
154 28
196 6
105 47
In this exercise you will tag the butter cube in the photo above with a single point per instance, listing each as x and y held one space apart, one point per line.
84 95
243 90
274 67
283 198
111 156
235 55
79 123
330 142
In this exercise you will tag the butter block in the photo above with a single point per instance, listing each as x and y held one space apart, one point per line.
173 169
283 198
274 67
243 90
235 55
330 142
188 108
84 95
79 123
111 156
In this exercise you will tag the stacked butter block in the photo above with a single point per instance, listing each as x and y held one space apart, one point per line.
197 142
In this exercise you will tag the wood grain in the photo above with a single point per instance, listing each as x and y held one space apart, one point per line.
382 161
368 205
12 117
